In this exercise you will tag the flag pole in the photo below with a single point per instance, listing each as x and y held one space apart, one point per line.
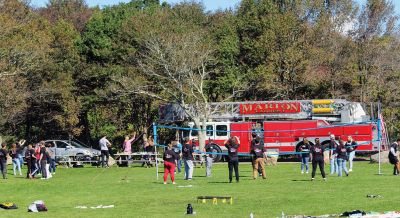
379 138
155 146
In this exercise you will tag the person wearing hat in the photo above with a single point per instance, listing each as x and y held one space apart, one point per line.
393 157
332 154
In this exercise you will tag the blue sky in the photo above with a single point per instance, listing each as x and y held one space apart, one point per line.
210 4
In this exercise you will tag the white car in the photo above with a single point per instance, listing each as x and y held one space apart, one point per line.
66 148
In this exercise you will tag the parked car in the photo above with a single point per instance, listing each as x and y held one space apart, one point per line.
66 148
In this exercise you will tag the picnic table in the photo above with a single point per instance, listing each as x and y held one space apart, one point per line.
121 158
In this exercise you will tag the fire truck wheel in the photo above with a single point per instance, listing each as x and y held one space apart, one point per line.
216 149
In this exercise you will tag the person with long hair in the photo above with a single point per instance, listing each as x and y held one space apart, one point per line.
341 153
257 151
14 152
30 162
317 159
305 155
232 144
127 146
169 158
332 154
3 160
351 147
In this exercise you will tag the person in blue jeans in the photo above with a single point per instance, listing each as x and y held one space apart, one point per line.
177 148
351 146
341 153
305 155
332 154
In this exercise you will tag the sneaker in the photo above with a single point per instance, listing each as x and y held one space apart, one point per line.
302 172
350 170
174 183
312 179
347 174
324 179
42 178
165 183
307 172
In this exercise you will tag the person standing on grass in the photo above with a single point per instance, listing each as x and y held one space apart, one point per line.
257 151
253 136
187 156
208 148
3 160
52 153
305 155
393 157
37 157
48 161
15 159
30 162
317 158
332 154
127 146
341 153
351 146
105 155
148 148
169 158
232 144
177 148
43 160
20 150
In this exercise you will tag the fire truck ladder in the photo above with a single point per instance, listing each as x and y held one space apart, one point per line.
334 110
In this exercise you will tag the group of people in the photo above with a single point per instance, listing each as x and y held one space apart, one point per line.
339 153
176 153
40 160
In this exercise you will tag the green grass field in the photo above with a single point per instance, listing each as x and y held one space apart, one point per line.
135 192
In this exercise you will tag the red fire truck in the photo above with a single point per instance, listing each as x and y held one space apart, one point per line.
283 124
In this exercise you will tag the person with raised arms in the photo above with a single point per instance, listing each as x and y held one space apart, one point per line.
232 144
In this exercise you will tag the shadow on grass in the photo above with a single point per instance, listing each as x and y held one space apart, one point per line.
301 180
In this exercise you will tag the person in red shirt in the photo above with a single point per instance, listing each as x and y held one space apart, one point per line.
169 163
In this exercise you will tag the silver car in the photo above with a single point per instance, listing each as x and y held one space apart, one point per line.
66 148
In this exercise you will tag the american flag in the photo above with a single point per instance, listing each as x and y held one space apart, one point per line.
383 138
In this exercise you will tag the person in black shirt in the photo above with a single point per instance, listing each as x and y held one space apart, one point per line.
169 158
305 155
254 135
232 144
30 161
3 160
317 158
393 157
257 151
341 153
209 158
187 156
43 160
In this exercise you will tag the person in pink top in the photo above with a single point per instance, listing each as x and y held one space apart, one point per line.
127 146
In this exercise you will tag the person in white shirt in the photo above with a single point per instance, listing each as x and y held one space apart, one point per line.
104 144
